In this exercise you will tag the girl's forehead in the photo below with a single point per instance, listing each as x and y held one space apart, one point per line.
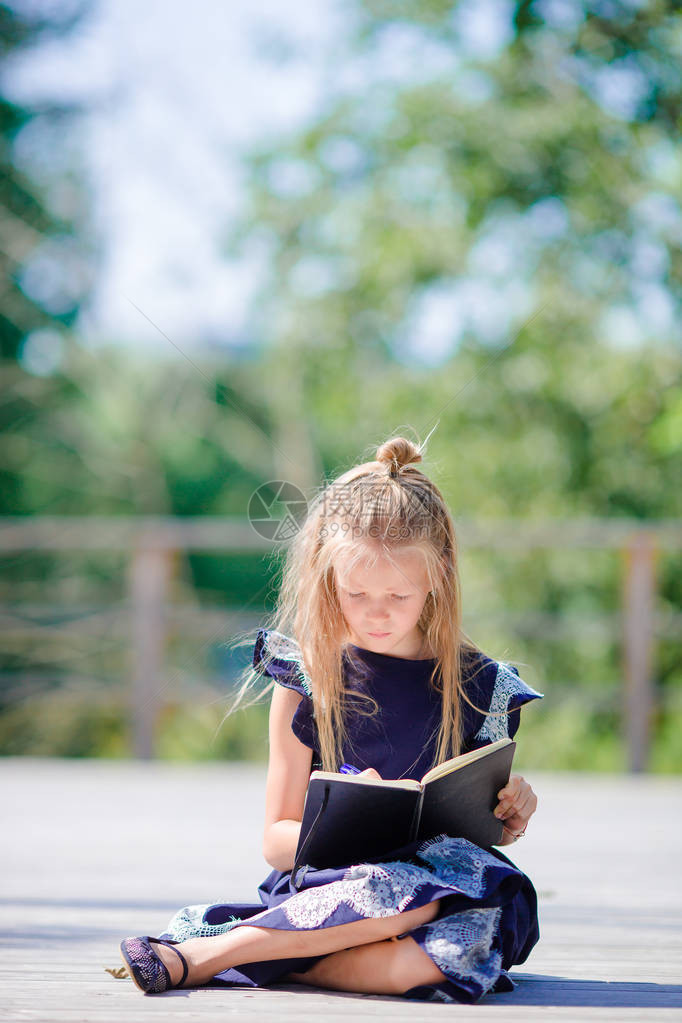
397 567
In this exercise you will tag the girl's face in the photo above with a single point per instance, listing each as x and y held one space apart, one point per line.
382 600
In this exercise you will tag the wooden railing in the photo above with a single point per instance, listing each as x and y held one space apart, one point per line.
152 544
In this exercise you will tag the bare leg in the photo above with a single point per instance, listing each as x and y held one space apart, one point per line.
381 968
250 943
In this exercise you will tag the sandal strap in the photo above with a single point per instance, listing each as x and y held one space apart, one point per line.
171 944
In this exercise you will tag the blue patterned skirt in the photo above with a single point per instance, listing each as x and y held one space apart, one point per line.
487 920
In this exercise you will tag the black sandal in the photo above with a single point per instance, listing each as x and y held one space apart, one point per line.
146 969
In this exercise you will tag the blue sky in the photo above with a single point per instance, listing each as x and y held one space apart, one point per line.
174 98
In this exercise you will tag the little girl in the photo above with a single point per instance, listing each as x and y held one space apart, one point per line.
376 674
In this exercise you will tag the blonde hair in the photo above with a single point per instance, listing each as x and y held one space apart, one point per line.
391 505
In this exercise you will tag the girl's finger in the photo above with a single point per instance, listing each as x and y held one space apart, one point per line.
522 812
527 807
516 808
509 791
509 794
514 798
503 810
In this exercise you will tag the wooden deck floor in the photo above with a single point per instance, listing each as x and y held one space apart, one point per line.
92 851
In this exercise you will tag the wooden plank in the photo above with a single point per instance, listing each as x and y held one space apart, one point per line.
150 573
222 533
638 647
96 850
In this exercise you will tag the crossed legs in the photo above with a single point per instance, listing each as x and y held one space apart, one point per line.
359 956
388 967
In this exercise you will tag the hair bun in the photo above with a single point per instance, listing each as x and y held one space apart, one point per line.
397 453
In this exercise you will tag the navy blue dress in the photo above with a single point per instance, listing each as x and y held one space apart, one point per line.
487 920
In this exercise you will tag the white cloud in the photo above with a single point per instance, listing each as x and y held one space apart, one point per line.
175 96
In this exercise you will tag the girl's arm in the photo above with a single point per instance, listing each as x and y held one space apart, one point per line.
288 774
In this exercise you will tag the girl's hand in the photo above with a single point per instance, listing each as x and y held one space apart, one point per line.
369 773
517 804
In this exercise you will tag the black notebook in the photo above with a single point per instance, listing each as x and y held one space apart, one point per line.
347 819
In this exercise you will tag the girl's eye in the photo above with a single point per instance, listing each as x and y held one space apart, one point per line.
396 597
355 594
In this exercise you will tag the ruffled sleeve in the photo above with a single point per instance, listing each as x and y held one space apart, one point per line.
498 693
279 658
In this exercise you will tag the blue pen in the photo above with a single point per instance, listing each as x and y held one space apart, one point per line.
349 769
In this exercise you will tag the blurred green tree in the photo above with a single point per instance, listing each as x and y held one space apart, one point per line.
44 273
481 229
460 178
46 258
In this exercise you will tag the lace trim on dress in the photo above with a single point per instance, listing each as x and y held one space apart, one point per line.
458 862
461 945
384 889
279 647
189 923
507 687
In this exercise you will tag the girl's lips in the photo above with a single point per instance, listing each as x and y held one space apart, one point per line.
378 635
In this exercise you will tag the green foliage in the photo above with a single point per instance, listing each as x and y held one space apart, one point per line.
205 733
486 241
62 725
666 755
37 246
509 173
551 737
115 434
66 725
566 738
